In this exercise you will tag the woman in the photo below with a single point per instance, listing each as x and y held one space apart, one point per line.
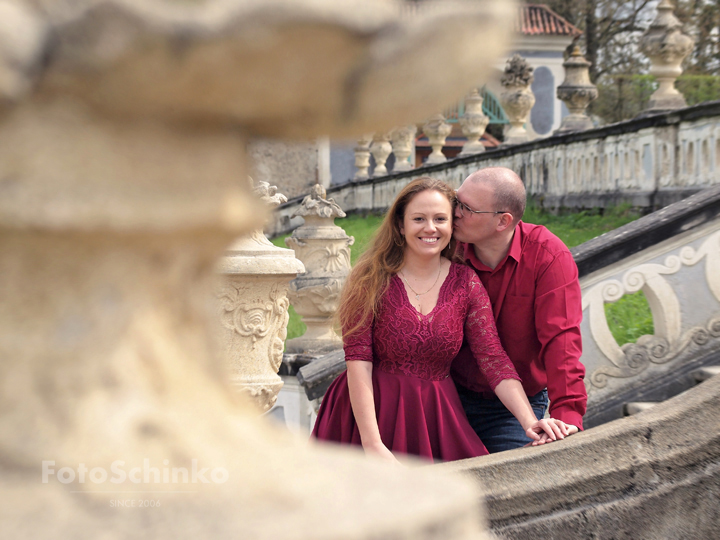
404 311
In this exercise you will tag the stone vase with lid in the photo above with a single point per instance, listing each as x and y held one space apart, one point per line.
517 98
324 249
254 308
665 44
576 92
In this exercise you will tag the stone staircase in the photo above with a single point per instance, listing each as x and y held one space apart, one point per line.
698 375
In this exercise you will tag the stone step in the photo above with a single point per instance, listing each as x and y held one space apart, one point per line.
704 373
636 407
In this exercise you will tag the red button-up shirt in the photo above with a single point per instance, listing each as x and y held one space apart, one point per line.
537 305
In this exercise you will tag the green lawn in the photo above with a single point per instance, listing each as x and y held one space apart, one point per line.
629 318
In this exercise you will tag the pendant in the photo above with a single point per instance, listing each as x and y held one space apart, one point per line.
417 297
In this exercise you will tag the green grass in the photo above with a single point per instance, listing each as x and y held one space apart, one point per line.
628 318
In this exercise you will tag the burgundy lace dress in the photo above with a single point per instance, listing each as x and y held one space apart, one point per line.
417 406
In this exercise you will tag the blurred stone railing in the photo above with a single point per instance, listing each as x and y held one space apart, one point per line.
648 162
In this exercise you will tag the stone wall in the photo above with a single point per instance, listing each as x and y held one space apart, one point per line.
650 476
291 166
648 162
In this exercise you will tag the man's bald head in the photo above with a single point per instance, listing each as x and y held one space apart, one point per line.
507 187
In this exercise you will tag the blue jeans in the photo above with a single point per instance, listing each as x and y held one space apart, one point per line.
497 428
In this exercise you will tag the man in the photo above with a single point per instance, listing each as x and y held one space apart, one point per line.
532 281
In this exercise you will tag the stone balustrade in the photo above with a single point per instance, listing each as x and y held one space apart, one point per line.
648 162
673 256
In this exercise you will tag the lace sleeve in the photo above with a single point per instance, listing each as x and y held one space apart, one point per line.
359 346
482 336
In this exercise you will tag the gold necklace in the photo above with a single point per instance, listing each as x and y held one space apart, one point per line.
417 294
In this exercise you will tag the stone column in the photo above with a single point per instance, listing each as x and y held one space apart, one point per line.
437 131
402 142
254 308
123 128
324 248
380 150
362 157
473 124
665 44
576 92
517 99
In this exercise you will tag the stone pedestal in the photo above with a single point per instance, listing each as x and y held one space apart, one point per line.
402 145
123 128
665 44
576 92
254 309
362 157
324 248
437 130
517 99
473 124
380 150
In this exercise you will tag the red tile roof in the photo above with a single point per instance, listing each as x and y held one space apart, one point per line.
538 19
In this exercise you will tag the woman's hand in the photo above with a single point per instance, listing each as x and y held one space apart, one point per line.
548 430
381 451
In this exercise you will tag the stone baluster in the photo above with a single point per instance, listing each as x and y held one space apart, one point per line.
576 92
517 98
402 144
473 124
665 44
254 308
362 157
437 131
380 150
324 248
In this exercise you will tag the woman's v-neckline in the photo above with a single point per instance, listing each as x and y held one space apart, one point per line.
440 293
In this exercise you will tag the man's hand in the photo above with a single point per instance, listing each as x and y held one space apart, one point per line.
549 430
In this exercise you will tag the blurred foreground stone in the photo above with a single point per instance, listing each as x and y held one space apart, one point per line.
123 125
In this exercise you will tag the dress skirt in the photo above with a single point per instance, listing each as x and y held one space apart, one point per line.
416 416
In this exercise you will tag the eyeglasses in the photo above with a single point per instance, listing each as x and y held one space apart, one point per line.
464 207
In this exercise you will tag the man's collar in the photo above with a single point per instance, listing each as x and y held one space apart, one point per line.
515 251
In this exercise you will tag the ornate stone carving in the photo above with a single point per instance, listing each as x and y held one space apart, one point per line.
517 99
402 142
669 339
362 157
437 130
576 92
253 308
665 44
324 249
380 150
473 124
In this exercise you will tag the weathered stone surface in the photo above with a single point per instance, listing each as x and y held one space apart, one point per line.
291 166
653 475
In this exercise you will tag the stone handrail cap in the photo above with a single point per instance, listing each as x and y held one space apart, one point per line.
294 68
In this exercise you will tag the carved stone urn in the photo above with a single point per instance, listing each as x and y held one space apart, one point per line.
437 130
324 249
254 308
402 141
473 124
380 150
517 99
362 157
576 92
665 44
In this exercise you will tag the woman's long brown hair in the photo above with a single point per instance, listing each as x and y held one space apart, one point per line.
370 277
